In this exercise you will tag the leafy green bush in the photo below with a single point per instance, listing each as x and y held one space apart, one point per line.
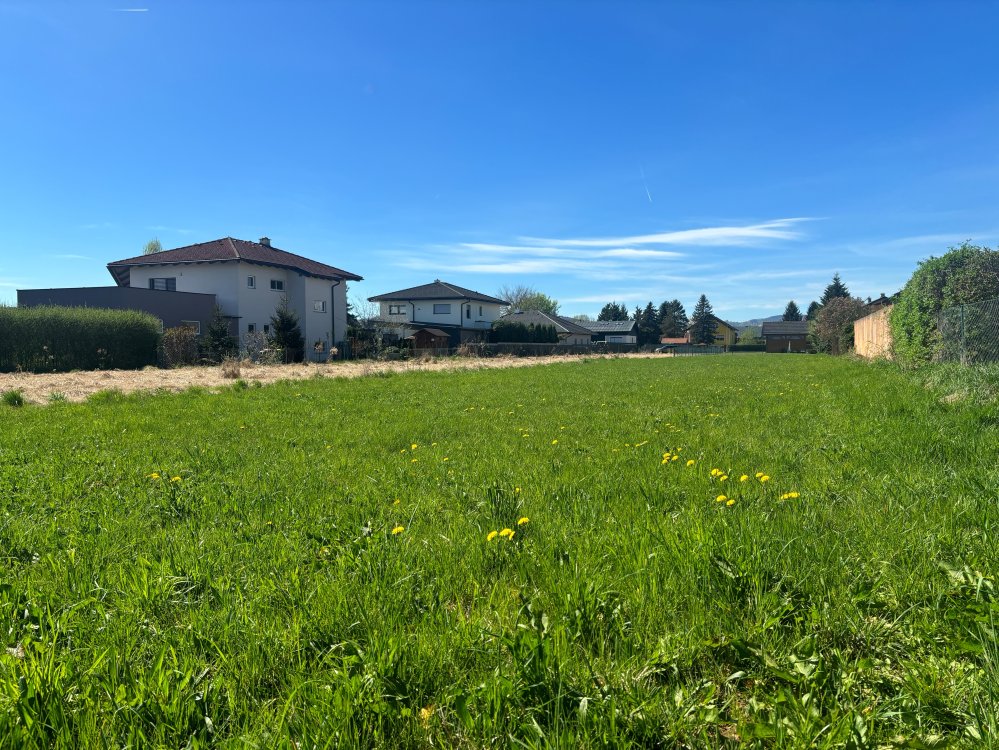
60 339
509 332
961 276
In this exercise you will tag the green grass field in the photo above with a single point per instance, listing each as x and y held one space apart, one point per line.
312 564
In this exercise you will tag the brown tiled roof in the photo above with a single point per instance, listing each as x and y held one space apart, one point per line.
229 249
784 328
437 290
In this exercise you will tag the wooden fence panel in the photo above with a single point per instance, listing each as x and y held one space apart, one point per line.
872 336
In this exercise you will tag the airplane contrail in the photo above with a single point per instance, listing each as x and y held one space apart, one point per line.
645 184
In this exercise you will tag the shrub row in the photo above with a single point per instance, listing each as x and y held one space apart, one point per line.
59 339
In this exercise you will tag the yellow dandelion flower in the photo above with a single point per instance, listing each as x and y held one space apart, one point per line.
676 458
523 520
491 535
793 494
723 478
398 530
716 472
403 450
721 499
413 460
730 503
174 479
554 442
765 478
691 462
425 713
507 533
445 458
154 475
744 478
516 490
664 461
433 445
759 474
396 501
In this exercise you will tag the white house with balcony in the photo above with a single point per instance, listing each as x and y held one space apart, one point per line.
464 314
249 281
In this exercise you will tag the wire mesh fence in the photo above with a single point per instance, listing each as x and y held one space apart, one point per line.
970 333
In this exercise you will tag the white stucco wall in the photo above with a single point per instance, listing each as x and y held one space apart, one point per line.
482 313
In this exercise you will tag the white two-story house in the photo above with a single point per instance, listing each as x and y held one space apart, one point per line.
464 314
249 281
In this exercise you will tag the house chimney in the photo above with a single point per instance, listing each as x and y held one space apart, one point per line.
266 241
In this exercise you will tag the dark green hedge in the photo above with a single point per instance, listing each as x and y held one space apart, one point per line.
748 348
59 339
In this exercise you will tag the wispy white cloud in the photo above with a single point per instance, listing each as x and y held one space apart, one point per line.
730 236
178 230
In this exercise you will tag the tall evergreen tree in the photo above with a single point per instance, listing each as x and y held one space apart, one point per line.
285 333
791 312
613 311
648 325
673 322
835 289
813 310
702 324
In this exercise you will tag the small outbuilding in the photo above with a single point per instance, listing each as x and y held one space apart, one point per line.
786 336
429 340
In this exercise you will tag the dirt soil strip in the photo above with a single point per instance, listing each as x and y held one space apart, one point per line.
77 386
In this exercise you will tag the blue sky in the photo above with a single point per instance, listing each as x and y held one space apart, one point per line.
597 151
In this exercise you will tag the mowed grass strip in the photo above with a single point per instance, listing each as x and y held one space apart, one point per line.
776 551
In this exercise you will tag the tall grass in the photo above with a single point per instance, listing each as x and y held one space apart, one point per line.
313 563
60 339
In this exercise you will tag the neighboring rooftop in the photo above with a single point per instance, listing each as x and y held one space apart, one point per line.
538 318
608 326
718 322
437 290
784 328
230 249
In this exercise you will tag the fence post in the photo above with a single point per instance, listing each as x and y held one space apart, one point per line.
963 351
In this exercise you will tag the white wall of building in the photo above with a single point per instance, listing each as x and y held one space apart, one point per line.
478 315
254 305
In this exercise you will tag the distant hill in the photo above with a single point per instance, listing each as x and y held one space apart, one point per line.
754 322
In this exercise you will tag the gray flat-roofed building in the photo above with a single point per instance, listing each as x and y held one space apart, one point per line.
173 308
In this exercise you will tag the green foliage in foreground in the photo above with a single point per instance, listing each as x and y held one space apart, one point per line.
60 339
961 276
308 564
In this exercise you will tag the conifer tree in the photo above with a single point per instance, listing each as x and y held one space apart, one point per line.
835 289
813 310
791 312
673 322
702 324
286 334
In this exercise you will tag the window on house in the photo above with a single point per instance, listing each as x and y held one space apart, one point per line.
277 285
194 325
251 282
444 309
267 328
250 328
319 306
164 285
397 310
468 312
480 311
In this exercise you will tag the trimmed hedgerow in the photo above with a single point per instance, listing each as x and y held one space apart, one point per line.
59 339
